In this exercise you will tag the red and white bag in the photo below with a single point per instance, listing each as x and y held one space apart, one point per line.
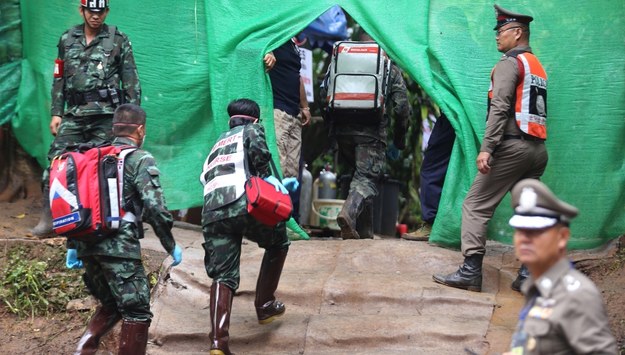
86 192
357 82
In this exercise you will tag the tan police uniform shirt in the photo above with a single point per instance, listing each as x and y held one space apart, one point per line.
500 118
565 315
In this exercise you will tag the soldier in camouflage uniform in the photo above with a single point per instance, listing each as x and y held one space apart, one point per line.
95 72
238 153
114 273
362 148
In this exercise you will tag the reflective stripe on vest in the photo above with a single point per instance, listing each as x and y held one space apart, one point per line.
224 168
530 102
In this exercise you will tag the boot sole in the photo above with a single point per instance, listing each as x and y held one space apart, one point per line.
415 238
271 319
468 288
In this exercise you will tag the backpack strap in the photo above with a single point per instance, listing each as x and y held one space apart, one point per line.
107 47
116 190
72 37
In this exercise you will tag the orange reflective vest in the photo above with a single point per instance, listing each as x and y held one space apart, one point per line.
530 106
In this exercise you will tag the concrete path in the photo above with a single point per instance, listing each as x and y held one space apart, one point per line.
342 297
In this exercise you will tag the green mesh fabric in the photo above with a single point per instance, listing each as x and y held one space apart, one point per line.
195 56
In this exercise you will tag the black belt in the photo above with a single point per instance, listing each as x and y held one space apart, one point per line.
78 98
524 137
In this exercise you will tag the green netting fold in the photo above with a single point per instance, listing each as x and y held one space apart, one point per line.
195 56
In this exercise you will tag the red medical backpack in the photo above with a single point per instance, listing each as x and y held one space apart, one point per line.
86 192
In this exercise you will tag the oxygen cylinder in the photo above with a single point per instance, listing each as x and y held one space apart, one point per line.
327 184
305 197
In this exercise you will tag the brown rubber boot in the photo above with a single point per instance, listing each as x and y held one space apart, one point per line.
43 229
349 215
220 308
101 322
267 307
364 224
467 277
133 338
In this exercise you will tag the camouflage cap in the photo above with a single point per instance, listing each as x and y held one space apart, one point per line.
536 207
505 16
95 5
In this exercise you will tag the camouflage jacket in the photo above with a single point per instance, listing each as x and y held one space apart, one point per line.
143 196
396 101
83 71
258 161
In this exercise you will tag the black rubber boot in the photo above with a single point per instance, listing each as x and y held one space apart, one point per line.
522 275
364 224
467 277
267 307
349 215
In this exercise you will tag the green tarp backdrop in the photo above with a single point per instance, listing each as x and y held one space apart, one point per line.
195 56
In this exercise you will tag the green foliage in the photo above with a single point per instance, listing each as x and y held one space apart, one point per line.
37 287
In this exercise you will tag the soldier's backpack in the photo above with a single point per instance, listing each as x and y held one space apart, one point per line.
357 82
86 188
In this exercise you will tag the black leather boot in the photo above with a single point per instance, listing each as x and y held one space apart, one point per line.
522 275
364 224
133 338
101 322
349 215
267 307
467 277
220 309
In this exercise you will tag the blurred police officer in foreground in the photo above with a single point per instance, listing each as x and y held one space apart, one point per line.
563 312
94 73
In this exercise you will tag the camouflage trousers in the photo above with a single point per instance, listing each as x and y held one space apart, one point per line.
289 141
365 158
222 245
96 129
119 283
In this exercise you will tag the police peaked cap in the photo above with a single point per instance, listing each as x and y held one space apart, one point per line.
504 16
536 207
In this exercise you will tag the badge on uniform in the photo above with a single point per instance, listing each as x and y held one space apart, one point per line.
540 312
58 68
100 66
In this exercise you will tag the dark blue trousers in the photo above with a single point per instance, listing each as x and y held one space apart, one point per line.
434 167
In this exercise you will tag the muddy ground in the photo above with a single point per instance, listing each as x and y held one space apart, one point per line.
58 332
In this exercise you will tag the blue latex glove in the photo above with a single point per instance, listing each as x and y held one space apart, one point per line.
72 261
275 182
392 152
177 255
290 183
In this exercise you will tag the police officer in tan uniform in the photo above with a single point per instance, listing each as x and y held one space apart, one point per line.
513 147
563 312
